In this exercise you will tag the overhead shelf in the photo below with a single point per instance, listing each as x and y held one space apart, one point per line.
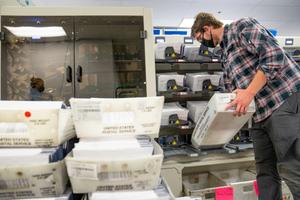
176 129
186 67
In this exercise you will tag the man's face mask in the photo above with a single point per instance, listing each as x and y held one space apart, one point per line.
208 43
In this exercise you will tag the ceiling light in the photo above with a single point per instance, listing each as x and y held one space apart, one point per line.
187 22
30 31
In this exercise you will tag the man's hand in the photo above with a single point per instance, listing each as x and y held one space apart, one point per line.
241 102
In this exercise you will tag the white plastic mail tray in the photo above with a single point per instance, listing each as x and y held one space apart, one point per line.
161 192
34 124
240 180
98 117
68 195
127 174
33 181
216 127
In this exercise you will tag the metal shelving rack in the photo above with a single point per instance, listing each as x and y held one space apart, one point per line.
175 167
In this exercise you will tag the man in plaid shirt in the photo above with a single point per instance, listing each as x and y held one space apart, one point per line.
256 67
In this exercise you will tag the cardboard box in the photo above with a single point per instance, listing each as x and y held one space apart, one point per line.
196 108
117 117
34 124
171 109
162 80
216 127
195 80
90 175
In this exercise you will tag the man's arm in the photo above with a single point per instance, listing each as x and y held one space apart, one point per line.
245 96
257 83
270 56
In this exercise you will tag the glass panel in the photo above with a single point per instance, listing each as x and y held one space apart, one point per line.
40 48
110 55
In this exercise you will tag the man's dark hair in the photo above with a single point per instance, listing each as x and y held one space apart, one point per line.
204 19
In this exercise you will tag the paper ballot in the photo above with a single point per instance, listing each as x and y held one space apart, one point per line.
18 157
25 156
109 149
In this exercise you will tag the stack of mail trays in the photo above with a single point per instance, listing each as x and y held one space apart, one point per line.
34 139
116 155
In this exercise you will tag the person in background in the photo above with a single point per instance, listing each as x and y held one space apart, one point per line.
257 68
37 92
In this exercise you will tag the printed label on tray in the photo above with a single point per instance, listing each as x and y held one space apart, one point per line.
13 128
81 170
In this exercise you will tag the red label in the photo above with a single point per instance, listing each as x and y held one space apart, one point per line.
27 114
256 187
225 193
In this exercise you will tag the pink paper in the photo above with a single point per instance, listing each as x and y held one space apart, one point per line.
224 193
256 187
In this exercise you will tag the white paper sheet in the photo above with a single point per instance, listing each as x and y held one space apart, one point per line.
23 156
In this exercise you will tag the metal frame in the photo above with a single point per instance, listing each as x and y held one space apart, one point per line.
99 11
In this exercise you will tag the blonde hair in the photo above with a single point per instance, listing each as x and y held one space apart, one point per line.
204 19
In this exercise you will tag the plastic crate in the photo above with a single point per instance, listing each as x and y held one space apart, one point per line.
240 180
201 185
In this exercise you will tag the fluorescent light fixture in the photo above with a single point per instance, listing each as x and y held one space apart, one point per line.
30 31
188 22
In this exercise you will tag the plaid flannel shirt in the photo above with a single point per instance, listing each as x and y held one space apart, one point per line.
248 47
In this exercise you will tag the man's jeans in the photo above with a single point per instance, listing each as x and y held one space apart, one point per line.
277 150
